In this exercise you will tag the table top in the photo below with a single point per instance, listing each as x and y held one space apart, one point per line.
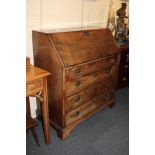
34 73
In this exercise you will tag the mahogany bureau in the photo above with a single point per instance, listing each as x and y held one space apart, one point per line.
84 66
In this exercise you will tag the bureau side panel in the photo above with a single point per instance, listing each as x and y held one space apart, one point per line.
45 57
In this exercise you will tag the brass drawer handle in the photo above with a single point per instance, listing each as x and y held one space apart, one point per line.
77 71
77 98
26 87
126 66
77 83
109 70
77 113
127 57
86 33
105 97
124 79
112 60
92 103
109 84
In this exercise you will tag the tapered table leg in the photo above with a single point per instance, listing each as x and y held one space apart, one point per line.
46 113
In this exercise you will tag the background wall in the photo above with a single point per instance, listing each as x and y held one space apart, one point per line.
59 14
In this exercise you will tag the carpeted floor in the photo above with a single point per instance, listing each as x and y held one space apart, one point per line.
105 133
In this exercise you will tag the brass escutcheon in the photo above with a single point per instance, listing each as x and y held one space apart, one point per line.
77 71
77 83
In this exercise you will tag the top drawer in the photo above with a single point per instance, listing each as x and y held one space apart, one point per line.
33 87
81 70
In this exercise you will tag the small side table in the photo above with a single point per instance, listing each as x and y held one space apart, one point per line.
36 86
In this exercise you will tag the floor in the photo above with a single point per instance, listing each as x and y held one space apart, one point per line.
105 133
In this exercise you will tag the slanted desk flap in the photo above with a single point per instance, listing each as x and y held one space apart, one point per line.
80 46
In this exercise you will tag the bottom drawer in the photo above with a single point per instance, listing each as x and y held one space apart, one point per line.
87 108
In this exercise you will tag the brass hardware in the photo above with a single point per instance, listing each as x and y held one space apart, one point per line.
77 71
126 66
92 103
105 97
86 33
77 98
26 87
109 70
124 79
78 113
109 84
77 83
127 57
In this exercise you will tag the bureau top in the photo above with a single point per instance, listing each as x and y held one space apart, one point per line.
81 46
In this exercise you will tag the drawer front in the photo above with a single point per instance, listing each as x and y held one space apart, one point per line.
75 72
103 99
74 86
107 86
87 108
73 116
78 99
32 87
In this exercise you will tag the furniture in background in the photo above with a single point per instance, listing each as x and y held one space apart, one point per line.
123 76
36 86
122 31
30 122
84 66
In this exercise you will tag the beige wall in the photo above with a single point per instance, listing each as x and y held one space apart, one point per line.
58 14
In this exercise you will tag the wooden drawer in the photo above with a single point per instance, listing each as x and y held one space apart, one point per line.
78 99
33 87
74 86
105 87
87 108
103 98
82 70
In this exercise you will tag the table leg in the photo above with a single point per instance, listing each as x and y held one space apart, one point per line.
28 111
45 113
